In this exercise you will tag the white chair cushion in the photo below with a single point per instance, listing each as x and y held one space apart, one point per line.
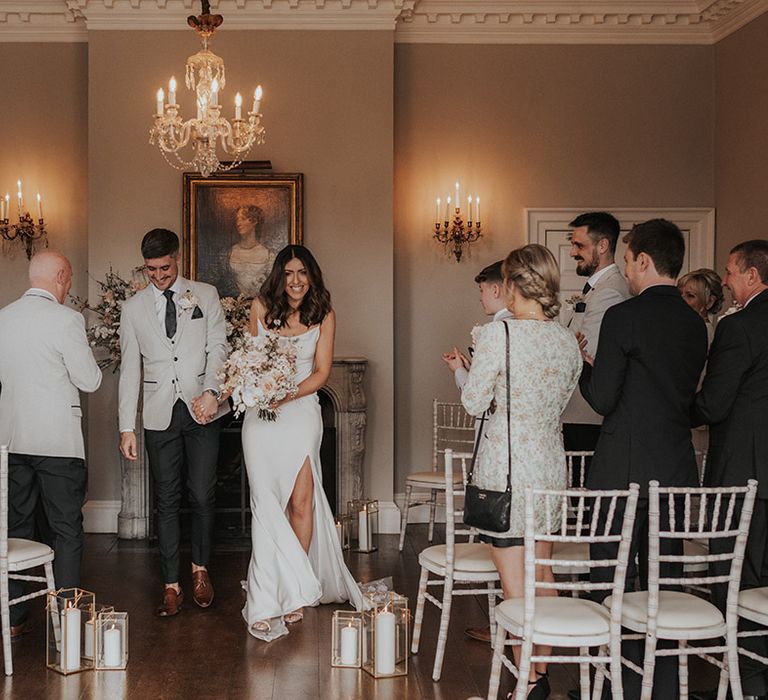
470 557
431 479
681 615
753 605
25 554
559 621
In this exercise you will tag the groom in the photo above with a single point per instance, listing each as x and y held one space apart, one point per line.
173 333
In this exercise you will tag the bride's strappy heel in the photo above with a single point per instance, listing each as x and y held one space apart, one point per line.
294 617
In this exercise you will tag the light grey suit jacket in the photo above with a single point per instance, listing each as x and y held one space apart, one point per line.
189 360
44 359
610 289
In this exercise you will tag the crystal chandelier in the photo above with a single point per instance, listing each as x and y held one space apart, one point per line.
205 76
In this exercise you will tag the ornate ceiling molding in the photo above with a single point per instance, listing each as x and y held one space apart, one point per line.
413 21
552 22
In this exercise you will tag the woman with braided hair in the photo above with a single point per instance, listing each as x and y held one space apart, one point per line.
544 365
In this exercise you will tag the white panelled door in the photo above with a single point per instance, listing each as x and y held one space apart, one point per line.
550 228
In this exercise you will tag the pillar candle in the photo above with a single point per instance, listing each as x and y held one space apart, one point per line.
362 527
70 650
113 647
349 645
385 643
338 533
88 641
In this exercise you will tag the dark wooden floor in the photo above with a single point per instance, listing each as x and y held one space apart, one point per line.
209 654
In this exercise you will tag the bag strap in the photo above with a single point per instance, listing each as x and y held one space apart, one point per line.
479 435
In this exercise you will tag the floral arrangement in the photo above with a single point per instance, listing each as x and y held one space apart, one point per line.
260 373
574 300
105 333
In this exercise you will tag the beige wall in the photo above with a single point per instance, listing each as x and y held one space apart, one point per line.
525 126
328 113
741 151
44 141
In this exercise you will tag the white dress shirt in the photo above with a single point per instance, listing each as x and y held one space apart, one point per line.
593 280
161 301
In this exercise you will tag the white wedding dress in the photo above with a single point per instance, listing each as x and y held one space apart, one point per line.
281 576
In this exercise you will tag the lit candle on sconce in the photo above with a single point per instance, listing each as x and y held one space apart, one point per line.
172 91
5 209
257 99
214 93
477 208
39 206
20 198
448 208
437 211
458 199
469 208
238 106
160 100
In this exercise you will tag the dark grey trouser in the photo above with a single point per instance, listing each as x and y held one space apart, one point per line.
184 440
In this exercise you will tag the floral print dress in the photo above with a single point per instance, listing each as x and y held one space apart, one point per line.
545 363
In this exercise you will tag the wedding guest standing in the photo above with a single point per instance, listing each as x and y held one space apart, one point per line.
493 299
593 247
733 401
45 360
649 359
172 343
702 290
542 365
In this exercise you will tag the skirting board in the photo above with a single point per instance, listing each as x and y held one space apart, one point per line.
101 517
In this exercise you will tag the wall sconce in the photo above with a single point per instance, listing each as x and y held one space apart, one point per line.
32 235
454 233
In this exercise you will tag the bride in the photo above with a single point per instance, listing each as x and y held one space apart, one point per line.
296 559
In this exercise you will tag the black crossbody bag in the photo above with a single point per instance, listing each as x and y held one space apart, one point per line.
483 508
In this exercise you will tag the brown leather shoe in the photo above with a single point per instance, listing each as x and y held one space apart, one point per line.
171 602
202 590
480 634
17 631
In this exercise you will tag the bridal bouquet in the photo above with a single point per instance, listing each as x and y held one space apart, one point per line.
260 372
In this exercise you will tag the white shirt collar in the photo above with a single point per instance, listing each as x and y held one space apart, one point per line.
37 292
592 281
175 288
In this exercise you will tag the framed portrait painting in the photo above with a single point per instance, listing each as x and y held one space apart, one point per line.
236 223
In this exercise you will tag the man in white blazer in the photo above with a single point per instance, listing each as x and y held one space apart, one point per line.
45 360
593 247
173 342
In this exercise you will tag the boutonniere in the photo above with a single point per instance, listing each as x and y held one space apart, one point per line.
187 301
577 303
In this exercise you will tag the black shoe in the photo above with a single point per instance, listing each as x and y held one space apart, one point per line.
541 689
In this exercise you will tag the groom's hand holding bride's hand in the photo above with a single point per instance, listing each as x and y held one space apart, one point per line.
205 407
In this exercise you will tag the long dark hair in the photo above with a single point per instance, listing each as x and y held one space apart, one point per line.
317 301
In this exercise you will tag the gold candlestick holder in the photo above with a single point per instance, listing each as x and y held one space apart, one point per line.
457 233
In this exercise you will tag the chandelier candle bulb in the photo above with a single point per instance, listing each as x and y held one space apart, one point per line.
257 99
172 91
238 106
215 92
160 101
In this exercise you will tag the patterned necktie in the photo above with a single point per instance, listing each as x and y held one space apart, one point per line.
587 287
170 314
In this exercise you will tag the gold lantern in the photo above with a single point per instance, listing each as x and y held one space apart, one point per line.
111 640
346 639
385 636
70 630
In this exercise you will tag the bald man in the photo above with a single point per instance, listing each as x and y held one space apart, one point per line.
44 360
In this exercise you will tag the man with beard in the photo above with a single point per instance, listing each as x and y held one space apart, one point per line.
593 247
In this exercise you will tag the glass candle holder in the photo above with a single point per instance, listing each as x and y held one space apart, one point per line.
364 516
112 640
344 530
386 627
346 639
89 636
68 611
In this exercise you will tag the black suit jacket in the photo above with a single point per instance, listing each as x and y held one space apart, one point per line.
649 359
734 399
